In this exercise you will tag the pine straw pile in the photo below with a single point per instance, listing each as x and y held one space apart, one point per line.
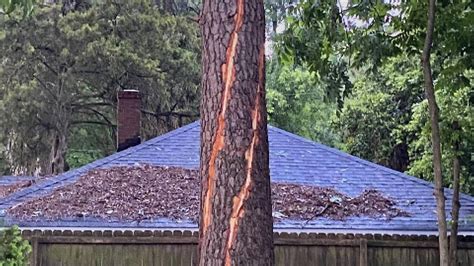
149 192
6 190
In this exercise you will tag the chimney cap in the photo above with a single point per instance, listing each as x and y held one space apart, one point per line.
129 94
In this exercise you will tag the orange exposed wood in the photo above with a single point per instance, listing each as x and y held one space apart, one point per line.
244 193
228 76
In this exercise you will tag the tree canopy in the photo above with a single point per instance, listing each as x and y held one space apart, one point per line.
60 75
367 56
345 75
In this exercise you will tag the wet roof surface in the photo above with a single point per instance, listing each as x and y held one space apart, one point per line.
293 159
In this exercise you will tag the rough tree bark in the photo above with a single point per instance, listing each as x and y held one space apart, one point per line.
57 161
455 205
168 6
236 220
435 136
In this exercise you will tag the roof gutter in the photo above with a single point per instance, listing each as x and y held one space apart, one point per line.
276 230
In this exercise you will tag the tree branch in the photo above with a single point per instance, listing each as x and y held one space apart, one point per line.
455 204
53 95
48 66
77 122
97 113
90 104
167 114
435 136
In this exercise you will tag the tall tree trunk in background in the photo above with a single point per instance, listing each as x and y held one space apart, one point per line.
73 5
435 136
455 206
236 218
274 25
168 6
58 154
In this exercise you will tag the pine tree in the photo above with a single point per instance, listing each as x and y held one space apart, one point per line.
236 218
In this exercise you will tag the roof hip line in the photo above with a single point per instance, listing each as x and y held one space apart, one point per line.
75 173
364 162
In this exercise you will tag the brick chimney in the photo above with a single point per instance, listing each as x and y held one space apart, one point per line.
128 119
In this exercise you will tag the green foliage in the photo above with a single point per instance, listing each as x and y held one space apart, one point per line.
456 106
9 6
373 117
295 102
3 162
275 12
89 143
388 109
314 36
366 123
59 75
14 249
377 47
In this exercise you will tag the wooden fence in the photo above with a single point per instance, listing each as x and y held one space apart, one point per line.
178 248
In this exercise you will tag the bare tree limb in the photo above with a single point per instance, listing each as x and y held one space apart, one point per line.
97 113
455 205
48 66
53 95
435 136
77 122
317 214
91 104
167 114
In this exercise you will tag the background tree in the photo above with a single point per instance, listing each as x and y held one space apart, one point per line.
276 12
315 36
375 117
296 102
396 31
60 74
377 36
236 225
9 6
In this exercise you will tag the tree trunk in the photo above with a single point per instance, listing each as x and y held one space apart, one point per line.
399 159
74 5
168 6
58 154
435 136
453 245
274 26
236 218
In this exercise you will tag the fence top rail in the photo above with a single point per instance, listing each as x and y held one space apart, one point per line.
276 231
191 236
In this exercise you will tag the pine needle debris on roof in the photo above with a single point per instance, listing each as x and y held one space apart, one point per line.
148 192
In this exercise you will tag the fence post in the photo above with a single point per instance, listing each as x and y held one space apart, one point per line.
363 252
34 251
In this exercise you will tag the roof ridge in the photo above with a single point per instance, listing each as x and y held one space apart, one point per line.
365 162
79 171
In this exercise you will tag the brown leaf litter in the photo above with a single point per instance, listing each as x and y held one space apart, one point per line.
149 192
6 190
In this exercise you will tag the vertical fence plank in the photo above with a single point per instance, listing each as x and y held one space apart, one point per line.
171 248
34 252
363 252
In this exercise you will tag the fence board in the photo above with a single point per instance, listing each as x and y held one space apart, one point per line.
180 249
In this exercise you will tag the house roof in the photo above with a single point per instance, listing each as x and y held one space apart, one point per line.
10 180
293 159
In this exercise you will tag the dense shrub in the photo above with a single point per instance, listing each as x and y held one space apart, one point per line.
14 249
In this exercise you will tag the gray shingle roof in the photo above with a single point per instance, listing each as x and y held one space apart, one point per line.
10 180
292 159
